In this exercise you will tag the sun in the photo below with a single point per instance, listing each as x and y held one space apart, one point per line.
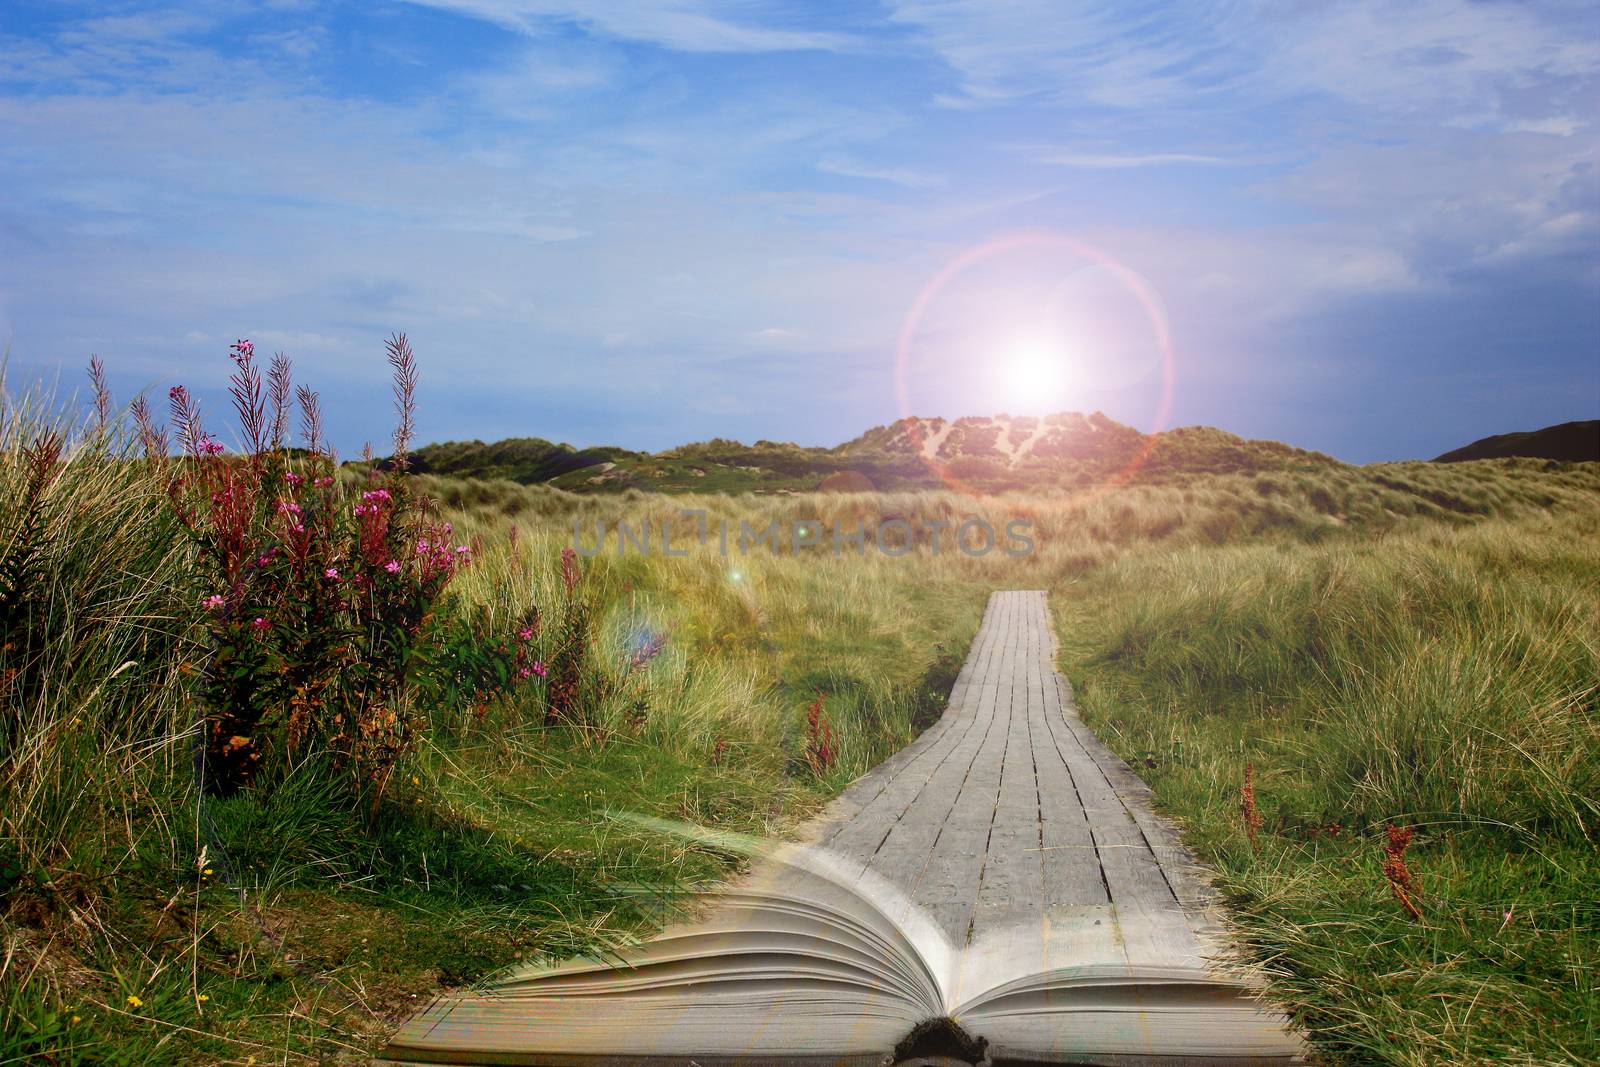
1034 375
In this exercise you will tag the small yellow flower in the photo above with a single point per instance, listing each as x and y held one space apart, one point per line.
415 780
202 998
76 1019
207 872
134 1002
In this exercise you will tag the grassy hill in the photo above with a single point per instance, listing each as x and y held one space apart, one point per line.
988 454
1567 442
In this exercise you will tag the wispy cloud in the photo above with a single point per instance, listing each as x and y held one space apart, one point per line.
685 25
1107 161
1100 53
1443 61
846 167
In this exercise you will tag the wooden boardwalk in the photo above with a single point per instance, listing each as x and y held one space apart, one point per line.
1019 832
1079 930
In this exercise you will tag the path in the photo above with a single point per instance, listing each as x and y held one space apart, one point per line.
1013 826
1036 850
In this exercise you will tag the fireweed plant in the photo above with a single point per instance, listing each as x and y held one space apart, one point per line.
322 603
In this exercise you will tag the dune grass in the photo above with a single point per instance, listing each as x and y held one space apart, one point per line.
1408 642
141 922
1442 679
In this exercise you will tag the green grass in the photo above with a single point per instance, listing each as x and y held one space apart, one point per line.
1445 679
314 934
310 935
1408 642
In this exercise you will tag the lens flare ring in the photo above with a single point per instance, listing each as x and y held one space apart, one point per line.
1033 239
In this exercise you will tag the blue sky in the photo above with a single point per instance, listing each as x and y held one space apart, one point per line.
1368 228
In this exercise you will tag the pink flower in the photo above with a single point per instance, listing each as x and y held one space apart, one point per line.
286 508
258 624
331 572
323 482
524 673
540 669
209 446
447 529
243 349
462 550
213 602
422 544
372 495
526 633
392 567
292 478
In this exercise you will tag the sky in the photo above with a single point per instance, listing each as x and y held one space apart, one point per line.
1369 228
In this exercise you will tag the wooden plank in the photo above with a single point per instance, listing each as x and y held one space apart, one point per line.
1010 815
947 886
907 848
1011 889
890 791
1184 874
927 749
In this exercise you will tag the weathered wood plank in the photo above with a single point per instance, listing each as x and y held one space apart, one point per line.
1010 812
856 832
1017 830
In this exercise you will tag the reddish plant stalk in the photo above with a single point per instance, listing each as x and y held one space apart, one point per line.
1247 803
1407 890
278 393
404 363
102 391
152 438
819 738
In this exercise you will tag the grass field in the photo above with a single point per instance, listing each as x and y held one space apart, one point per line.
1406 643
1441 679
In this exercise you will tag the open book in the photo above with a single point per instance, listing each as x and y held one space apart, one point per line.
815 961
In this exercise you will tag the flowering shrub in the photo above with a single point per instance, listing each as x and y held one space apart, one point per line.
565 695
471 665
319 603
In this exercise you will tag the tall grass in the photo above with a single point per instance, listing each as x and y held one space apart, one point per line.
93 634
1407 642
95 721
1405 645
1444 680
1381 573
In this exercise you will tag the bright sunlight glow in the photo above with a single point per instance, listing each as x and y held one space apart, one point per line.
1034 376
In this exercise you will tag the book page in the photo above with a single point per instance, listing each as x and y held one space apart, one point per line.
792 964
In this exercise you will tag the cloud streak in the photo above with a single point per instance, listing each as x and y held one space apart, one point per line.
1109 161
847 167
683 25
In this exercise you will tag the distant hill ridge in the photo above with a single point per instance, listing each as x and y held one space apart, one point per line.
1568 442
990 453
